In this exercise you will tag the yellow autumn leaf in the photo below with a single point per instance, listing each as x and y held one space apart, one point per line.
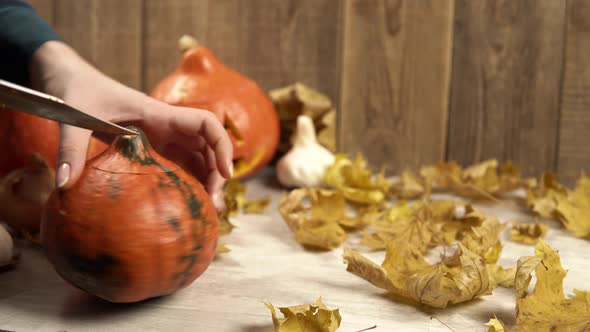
527 233
573 210
356 182
484 240
225 225
327 130
410 185
305 318
541 198
315 226
405 273
256 206
481 180
501 276
546 308
424 224
236 200
495 325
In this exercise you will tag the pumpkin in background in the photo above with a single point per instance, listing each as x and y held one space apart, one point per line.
249 116
134 226
23 135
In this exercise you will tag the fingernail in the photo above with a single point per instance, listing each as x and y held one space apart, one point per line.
218 202
231 168
63 175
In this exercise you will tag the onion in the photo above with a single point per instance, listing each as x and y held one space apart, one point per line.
24 192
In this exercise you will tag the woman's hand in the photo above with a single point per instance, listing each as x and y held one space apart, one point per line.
196 135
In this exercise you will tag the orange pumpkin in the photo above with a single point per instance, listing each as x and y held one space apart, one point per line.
134 226
24 134
247 113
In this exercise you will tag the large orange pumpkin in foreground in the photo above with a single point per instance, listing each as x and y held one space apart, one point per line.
134 226
247 113
23 134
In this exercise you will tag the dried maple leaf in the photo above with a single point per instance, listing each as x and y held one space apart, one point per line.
356 182
405 273
424 224
327 130
316 226
501 276
306 318
541 197
495 325
298 99
221 249
546 308
573 210
410 185
527 233
484 240
481 180
235 202
256 206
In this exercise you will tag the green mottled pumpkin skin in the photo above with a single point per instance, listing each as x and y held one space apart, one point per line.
135 225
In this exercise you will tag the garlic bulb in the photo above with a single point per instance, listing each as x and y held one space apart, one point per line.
307 161
6 247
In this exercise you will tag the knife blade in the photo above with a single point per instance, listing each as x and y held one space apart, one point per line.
23 99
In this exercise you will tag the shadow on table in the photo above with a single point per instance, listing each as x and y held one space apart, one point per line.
81 305
258 328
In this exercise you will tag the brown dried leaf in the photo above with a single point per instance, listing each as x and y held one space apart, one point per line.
481 180
354 179
306 318
501 276
256 206
527 233
410 185
574 210
495 325
405 273
541 197
317 226
298 99
546 308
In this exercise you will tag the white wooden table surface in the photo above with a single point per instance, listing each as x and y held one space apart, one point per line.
265 264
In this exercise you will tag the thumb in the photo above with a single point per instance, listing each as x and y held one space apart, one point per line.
71 158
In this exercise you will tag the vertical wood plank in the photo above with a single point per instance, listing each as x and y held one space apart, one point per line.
274 42
107 33
164 23
507 67
44 8
574 138
395 79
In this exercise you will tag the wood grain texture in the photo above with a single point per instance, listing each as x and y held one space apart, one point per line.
395 79
45 9
107 33
507 67
274 42
164 23
574 138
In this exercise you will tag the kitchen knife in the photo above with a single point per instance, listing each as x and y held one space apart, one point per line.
23 99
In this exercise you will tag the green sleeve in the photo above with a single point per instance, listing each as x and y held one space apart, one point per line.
22 32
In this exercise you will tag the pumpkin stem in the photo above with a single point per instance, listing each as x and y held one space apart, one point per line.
187 42
134 147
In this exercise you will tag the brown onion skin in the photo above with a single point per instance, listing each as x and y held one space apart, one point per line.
133 227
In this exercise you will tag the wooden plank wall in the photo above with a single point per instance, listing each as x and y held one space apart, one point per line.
414 81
